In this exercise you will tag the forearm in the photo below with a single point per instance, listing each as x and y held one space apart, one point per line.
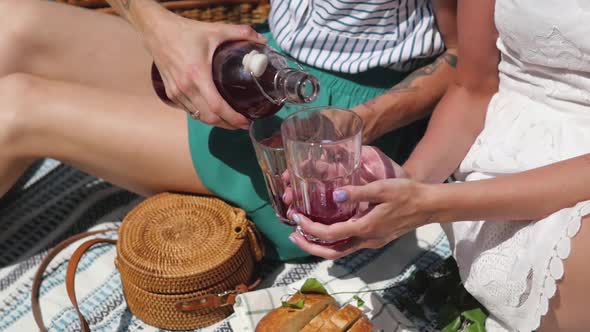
143 15
410 100
459 117
529 195
454 126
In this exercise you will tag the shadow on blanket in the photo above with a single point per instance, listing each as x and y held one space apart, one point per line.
51 202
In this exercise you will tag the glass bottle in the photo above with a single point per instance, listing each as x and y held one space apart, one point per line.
254 79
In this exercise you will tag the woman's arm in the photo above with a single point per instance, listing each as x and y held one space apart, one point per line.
529 195
459 117
142 14
400 205
415 96
182 50
455 124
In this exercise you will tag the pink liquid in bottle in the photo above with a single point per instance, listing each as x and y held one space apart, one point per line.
254 97
237 86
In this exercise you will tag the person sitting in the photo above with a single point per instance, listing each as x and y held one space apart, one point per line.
515 128
75 86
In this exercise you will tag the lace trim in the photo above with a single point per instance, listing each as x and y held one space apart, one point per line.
555 267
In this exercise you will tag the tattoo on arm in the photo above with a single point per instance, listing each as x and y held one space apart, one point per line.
405 85
370 105
450 59
126 4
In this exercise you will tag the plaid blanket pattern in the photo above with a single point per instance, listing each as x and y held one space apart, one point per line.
101 298
386 270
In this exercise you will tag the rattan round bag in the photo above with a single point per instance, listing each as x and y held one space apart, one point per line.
182 260
175 249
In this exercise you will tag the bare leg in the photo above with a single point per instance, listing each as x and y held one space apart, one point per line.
98 121
568 309
132 141
11 167
66 43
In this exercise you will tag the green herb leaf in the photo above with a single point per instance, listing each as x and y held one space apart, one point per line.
474 327
475 315
453 326
359 301
447 315
312 285
477 320
297 305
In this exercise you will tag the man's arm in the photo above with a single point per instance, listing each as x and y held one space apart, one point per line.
416 96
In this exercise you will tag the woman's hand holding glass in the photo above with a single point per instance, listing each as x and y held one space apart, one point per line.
391 205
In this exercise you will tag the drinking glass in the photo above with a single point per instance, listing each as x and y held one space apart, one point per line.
266 137
323 151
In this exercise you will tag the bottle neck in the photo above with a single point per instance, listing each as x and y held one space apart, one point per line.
296 86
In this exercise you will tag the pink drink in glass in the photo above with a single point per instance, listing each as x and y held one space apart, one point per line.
322 147
319 205
266 137
275 141
274 182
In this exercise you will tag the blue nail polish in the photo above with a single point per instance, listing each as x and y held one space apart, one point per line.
296 219
340 196
291 238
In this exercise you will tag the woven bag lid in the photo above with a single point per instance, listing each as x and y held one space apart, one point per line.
172 243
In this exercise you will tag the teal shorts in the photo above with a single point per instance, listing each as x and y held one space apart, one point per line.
226 163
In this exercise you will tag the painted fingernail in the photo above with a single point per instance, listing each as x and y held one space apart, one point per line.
295 218
284 197
340 196
291 238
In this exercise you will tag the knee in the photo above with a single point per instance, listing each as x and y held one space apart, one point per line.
17 95
20 18
19 23
17 89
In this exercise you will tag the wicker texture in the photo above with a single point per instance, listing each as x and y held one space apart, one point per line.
249 12
176 247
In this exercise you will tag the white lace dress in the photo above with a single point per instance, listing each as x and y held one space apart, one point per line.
541 115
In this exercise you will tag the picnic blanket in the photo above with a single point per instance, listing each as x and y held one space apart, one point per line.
394 304
53 201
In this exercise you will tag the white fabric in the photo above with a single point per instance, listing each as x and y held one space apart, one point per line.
374 275
540 115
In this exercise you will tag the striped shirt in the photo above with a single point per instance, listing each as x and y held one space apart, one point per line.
352 36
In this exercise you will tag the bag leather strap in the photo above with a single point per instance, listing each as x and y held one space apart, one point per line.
35 307
215 301
71 276
197 303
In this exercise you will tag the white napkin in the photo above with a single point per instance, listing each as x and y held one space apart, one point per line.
386 270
